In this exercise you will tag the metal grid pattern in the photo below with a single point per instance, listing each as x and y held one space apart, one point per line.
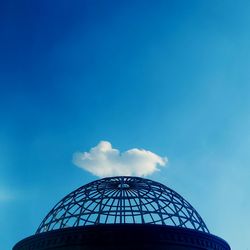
122 199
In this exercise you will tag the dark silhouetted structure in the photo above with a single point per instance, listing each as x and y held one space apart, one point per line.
123 213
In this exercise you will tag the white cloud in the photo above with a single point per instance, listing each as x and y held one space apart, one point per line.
103 160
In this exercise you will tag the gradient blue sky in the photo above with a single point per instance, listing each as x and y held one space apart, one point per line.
168 76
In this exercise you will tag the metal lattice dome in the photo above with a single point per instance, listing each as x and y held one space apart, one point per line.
122 200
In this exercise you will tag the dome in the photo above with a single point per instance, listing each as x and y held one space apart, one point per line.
122 200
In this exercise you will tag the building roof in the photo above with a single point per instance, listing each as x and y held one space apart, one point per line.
122 200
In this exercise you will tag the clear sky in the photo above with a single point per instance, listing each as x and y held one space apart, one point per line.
171 77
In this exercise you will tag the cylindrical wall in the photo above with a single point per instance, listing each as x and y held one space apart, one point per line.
123 237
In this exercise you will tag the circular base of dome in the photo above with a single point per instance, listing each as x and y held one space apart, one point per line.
123 236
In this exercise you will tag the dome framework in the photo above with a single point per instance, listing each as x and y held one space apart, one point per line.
122 200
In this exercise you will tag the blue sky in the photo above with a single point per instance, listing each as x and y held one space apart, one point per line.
171 77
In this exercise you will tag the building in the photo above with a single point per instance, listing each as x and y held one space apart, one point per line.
123 213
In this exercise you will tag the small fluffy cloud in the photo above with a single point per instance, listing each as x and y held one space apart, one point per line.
103 160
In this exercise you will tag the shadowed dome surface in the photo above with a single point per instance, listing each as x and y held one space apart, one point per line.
122 200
